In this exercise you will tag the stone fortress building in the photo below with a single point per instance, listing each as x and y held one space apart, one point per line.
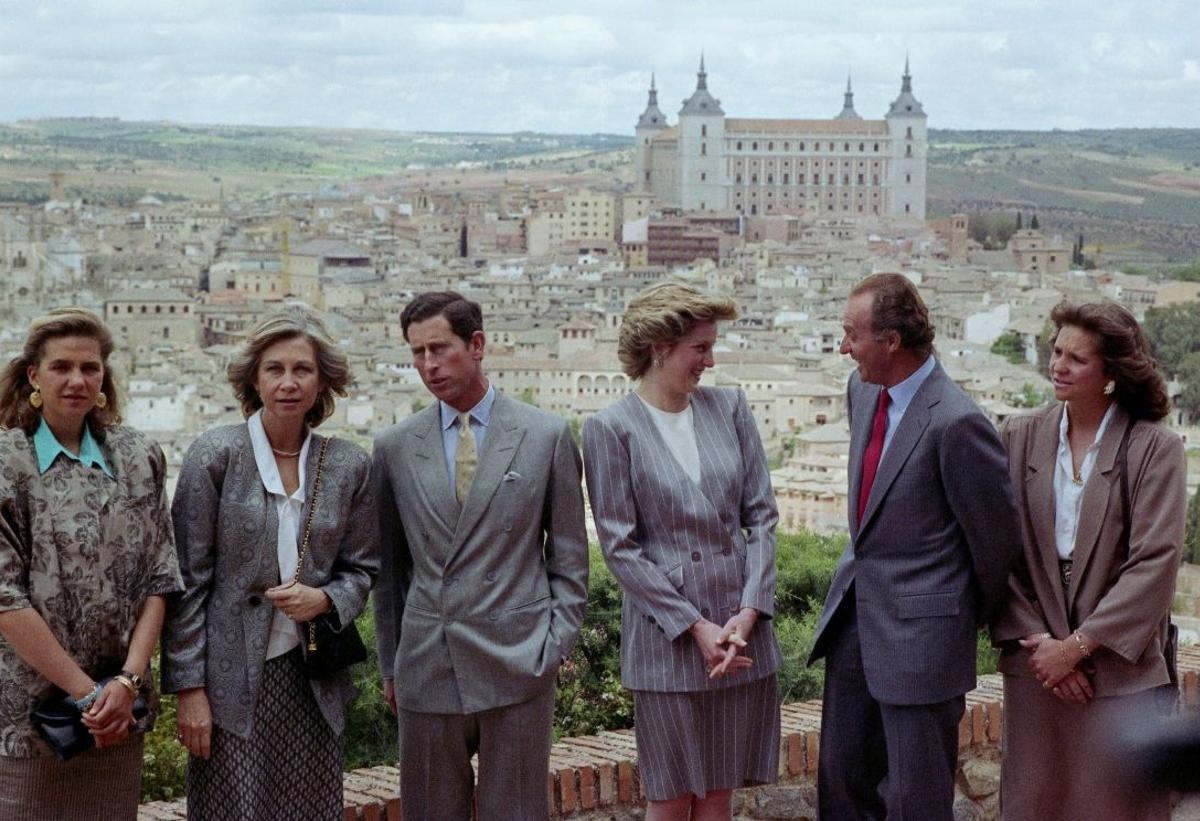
844 166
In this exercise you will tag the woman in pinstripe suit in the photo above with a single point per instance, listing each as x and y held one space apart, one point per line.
683 505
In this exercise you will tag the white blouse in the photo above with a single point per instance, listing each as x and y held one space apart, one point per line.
1067 494
678 430
284 632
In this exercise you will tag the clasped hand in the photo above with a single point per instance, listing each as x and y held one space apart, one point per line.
111 715
299 602
722 646
1049 661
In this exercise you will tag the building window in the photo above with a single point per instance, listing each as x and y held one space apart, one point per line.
738 179
143 309
907 208
908 150
876 148
704 131
801 146
831 179
703 176
861 178
754 179
785 178
771 146
846 146
908 133
770 179
908 177
739 145
754 146
647 176
787 146
703 149
862 147
800 179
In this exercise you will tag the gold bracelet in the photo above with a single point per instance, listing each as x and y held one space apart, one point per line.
1083 648
128 685
1062 648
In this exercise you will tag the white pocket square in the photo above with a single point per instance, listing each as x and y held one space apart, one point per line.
512 476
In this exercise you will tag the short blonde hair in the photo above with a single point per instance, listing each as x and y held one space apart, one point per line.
664 314
15 410
332 365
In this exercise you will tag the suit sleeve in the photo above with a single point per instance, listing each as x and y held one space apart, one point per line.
395 563
1125 619
195 511
759 514
615 509
566 547
1020 615
357 561
978 491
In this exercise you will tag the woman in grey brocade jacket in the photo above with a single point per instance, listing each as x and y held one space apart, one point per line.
260 733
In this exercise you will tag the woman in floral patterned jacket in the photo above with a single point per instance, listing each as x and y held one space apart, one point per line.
86 559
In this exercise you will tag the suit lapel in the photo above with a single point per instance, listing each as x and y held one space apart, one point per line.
860 434
1097 496
429 467
912 427
696 493
1039 495
503 437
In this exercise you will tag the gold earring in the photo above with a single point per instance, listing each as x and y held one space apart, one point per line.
35 398
101 400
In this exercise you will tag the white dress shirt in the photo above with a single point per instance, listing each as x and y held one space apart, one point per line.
901 395
284 632
1068 494
678 430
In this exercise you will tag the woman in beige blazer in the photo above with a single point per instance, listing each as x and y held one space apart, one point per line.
1083 632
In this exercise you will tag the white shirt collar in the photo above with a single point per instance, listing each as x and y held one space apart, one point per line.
268 470
1064 425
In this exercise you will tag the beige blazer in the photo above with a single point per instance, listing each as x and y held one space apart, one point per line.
1121 601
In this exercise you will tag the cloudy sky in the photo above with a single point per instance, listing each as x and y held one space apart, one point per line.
571 66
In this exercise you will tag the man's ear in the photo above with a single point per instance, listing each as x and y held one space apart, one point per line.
477 344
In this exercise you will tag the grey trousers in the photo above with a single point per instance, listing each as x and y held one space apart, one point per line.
881 761
513 743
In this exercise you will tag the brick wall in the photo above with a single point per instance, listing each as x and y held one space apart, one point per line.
595 777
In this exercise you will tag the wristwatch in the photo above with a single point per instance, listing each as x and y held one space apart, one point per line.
134 679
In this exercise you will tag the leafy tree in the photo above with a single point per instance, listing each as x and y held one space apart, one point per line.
1044 345
1033 223
1174 332
1189 375
1191 537
1009 346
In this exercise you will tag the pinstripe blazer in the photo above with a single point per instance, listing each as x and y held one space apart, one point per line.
226 528
683 551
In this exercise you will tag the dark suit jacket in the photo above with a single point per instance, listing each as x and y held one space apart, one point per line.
477 605
930 559
1120 600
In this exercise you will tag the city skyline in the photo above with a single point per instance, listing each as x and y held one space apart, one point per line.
552 67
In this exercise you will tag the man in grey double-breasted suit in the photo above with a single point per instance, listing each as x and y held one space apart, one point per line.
484 576
933 530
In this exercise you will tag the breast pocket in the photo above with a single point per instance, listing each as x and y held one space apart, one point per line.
927 605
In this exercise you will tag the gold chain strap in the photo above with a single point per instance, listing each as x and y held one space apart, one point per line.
312 508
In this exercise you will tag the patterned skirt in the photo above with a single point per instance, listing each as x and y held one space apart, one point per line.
289 767
96 784
709 740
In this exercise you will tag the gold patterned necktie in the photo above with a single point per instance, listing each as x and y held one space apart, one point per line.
465 458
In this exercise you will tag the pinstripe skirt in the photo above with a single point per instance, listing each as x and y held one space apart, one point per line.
710 740
97 784
289 767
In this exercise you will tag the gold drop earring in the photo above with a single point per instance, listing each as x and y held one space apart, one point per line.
101 400
35 398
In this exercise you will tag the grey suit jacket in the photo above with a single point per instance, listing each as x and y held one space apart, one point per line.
477 606
930 559
1120 596
683 551
226 528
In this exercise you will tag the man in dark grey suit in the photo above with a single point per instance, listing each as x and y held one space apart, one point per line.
483 583
933 530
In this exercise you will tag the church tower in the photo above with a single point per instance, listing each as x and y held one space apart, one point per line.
649 124
848 112
701 148
906 126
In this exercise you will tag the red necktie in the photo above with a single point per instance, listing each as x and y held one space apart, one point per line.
873 452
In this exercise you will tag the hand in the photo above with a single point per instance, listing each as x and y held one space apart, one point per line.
389 694
195 722
720 650
734 636
1050 659
1074 688
111 715
299 602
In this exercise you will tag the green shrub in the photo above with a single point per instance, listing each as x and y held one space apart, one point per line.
164 759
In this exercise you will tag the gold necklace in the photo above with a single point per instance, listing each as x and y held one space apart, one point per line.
283 454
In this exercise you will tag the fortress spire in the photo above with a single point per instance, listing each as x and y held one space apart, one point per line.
848 112
652 117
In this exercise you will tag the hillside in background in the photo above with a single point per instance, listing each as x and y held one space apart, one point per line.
1133 193
1136 192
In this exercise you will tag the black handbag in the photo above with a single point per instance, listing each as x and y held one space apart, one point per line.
328 649
59 722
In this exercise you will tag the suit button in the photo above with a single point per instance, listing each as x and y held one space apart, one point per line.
448 580
490 576
255 600
726 552
494 616
695 555
651 619
704 612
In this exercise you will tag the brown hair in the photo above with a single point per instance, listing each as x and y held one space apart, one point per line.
1128 358
898 307
332 365
465 317
665 313
15 410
